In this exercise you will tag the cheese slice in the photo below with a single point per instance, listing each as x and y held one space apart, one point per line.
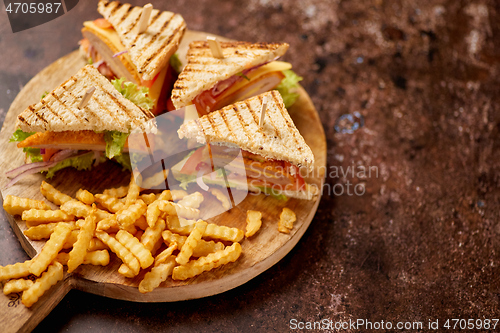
110 36
274 66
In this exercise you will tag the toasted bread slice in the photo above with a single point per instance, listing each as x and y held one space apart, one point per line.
107 110
203 71
238 124
150 51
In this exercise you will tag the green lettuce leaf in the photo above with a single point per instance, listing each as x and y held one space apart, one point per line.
124 160
131 92
82 162
114 143
287 87
33 154
270 192
19 135
176 63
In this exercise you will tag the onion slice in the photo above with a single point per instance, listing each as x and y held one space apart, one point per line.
62 155
31 171
119 53
99 63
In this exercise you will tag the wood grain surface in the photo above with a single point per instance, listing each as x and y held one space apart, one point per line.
260 252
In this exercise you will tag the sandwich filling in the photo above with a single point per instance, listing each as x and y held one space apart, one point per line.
102 47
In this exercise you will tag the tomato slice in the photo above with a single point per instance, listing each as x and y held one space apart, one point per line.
198 157
103 23
48 153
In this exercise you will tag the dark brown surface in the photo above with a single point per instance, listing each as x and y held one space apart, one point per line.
422 242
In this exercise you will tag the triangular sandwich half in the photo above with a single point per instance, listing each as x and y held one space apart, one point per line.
272 153
247 69
116 47
58 132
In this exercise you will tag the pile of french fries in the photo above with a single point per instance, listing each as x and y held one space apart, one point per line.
134 226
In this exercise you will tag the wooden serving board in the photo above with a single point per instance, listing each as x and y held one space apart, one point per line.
260 252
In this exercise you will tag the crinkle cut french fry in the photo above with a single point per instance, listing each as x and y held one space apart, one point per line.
157 275
111 203
50 249
141 223
165 254
134 188
118 192
191 242
108 223
224 233
42 284
16 206
85 196
153 213
148 198
121 251
96 258
136 247
152 235
96 245
172 208
53 195
202 249
43 231
178 194
15 271
211 261
78 208
174 225
77 254
129 215
155 180
165 195
34 217
254 222
16 286
192 200
221 197
287 218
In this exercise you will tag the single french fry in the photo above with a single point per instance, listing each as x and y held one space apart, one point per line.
157 275
254 222
16 206
159 259
165 195
191 242
134 188
130 214
224 233
49 278
108 223
136 247
221 197
16 286
85 196
43 231
178 194
287 218
15 271
96 258
118 192
202 249
111 203
50 249
211 261
78 208
53 195
175 209
71 240
152 235
34 217
77 254
155 180
141 223
148 198
121 251
153 213
192 200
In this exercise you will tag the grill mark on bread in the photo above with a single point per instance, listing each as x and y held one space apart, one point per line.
42 119
287 121
158 50
155 17
242 122
131 26
65 106
125 14
269 120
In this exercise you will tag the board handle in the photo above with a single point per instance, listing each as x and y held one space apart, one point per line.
15 317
